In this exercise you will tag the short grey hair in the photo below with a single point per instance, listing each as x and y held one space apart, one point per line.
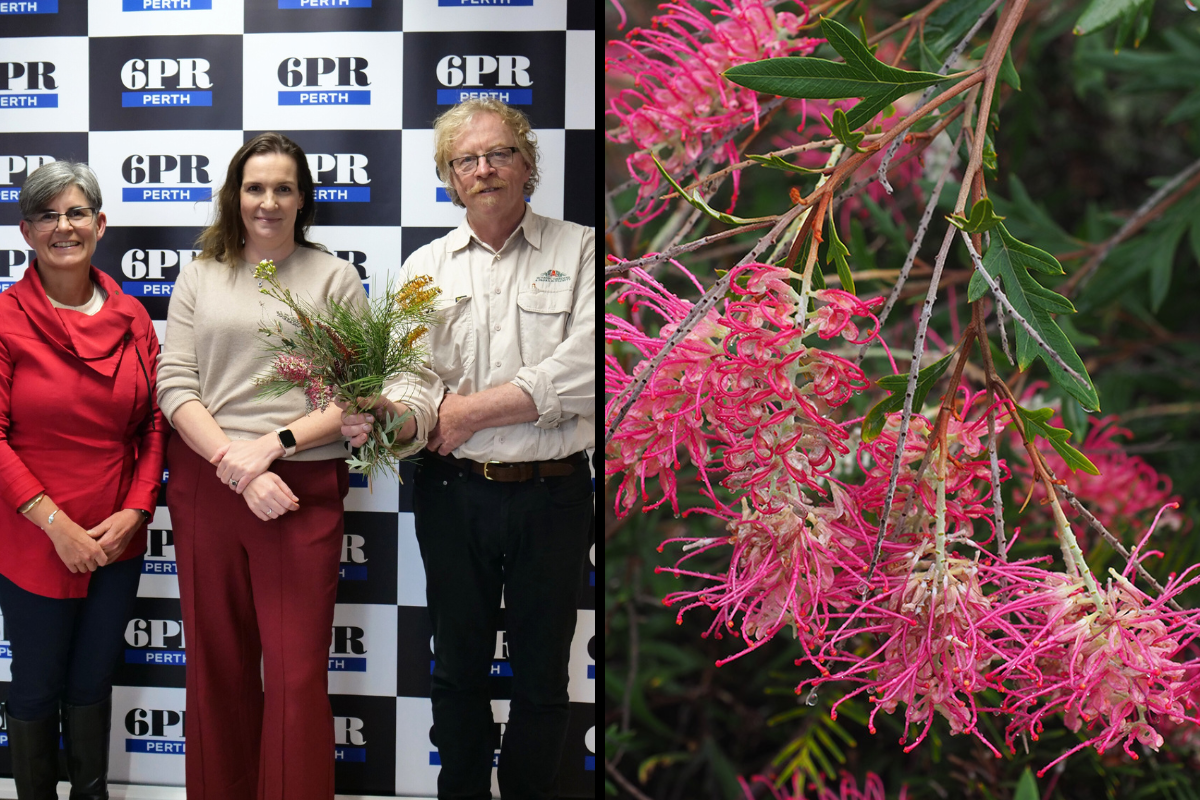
50 180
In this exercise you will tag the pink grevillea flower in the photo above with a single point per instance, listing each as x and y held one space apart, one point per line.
742 394
676 103
836 317
797 568
968 470
293 368
847 789
1118 669
317 395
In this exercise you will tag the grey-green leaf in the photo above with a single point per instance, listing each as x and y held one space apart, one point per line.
1103 12
775 162
698 202
897 384
1026 787
862 75
1009 261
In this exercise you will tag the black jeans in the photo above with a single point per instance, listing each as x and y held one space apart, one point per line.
67 649
478 537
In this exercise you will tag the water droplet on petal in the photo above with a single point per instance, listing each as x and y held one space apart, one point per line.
811 700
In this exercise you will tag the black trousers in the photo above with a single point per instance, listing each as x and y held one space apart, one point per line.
478 538
67 649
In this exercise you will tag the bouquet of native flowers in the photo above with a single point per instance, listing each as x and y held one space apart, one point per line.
340 352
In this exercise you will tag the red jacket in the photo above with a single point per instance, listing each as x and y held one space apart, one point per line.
79 420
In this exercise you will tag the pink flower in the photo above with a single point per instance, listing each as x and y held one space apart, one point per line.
293 368
676 102
847 789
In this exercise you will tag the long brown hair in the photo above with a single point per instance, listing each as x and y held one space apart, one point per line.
223 239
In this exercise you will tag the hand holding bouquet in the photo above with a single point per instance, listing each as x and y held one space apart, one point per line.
341 352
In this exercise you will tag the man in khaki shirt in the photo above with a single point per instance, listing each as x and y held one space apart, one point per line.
503 495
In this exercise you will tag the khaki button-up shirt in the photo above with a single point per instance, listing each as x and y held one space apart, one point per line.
524 314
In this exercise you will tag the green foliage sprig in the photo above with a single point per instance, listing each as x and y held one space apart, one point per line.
339 352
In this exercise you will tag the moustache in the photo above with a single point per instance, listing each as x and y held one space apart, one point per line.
496 183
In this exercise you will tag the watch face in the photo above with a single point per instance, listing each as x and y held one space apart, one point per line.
285 436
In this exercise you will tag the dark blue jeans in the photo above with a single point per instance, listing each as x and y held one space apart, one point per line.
67 649
479 537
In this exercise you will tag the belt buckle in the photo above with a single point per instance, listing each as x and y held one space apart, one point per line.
487 464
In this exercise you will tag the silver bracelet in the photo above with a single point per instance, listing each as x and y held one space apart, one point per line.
50 519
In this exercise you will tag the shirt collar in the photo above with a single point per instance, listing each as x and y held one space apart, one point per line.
530 226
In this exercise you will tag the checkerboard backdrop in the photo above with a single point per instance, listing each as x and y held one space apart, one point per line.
157 95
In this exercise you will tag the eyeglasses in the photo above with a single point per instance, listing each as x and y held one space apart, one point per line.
497 158
48 220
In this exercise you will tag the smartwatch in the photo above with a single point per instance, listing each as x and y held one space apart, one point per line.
287 440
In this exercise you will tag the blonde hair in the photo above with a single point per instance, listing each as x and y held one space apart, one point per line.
449 126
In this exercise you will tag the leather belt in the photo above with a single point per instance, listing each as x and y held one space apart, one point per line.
504 472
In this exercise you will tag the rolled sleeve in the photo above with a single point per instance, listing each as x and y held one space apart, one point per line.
422 393
178 366
563 386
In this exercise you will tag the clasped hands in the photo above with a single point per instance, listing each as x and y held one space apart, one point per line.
242 466
88 550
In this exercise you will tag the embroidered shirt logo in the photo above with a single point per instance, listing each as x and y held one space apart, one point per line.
552 276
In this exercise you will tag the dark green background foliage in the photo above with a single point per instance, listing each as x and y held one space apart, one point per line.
1087 138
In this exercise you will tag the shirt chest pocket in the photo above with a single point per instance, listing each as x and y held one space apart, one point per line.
452 340
542 319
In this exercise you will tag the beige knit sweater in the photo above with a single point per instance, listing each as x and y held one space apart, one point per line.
213 350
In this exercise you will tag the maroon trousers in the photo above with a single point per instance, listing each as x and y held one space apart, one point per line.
251 589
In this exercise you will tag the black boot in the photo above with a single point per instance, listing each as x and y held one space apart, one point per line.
85 732
33 746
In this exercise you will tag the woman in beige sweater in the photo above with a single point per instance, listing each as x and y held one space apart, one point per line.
255 494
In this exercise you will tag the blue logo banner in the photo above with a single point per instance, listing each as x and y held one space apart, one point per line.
10 195
166 5
173 657
147 289
147 99
29 101
168 747
173 194
514 97
326 98
354 572
484 3
351 194
31 7
347 665
356 754
324 3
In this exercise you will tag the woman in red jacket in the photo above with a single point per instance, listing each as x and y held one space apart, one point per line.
81 455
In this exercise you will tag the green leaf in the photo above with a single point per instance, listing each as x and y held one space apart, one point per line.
1010 261
1162 260
1036 424
1027 787
698 201
776 162
1100 13
897 384
838 252
862 75
1008 71
983 218
841 130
